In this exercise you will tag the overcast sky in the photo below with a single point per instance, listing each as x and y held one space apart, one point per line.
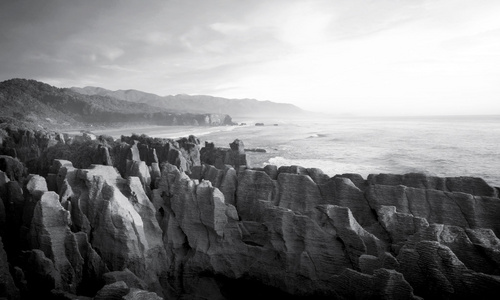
346 56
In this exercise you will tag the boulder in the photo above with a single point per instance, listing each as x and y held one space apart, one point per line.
126 276
117 290
138 294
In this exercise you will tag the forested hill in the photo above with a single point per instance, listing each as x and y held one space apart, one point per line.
39 103
200 103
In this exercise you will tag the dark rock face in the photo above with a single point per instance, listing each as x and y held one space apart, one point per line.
350 240
467 185
12 168
8 289
219 157
160 218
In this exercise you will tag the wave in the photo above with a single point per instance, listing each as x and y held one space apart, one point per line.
175 132
329 167
317 135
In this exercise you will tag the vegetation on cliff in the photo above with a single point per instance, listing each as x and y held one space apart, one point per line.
38 103
201 103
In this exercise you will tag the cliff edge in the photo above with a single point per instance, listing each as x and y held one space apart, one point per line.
157 218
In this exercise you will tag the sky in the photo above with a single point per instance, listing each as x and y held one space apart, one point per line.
355 57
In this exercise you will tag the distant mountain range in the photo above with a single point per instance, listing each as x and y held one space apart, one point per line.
34 102
200 103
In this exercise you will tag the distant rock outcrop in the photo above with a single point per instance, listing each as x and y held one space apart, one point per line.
219 157
161 218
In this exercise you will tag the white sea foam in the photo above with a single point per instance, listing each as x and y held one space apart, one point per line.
440 146
329 167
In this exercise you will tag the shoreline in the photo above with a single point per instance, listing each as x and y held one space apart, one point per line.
159 131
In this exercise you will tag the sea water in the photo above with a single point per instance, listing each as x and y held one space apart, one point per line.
440 146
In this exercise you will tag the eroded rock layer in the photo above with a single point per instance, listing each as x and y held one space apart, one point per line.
151 218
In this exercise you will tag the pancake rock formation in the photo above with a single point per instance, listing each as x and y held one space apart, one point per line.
147 218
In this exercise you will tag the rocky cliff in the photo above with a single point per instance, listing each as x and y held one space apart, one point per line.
149 218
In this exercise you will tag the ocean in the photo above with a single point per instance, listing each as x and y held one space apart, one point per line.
440 146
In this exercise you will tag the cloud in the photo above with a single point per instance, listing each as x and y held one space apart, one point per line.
318 54
229 28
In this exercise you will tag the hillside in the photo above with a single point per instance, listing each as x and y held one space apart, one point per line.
48 106
200 103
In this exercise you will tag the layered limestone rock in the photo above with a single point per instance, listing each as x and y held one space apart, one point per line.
202 228
165 219
26 144
50 233
273 231
219 157
183 153
225 180
120 219
469 185
12 168
335 231
450 208
99 222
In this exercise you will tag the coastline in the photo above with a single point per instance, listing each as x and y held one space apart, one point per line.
157 131
203 198
434 147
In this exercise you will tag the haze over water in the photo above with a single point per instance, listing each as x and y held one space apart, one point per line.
441 146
